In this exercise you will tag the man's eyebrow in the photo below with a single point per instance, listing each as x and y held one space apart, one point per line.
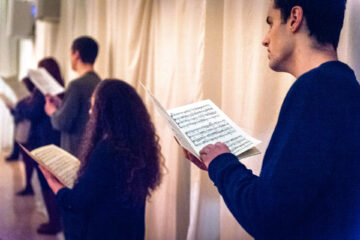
268 20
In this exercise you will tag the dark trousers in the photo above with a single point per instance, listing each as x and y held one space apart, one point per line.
49 199
29 169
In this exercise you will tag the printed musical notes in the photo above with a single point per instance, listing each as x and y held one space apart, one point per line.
204 123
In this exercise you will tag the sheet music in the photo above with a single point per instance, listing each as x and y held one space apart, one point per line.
199 124
62 164
204 123
174 127
45 82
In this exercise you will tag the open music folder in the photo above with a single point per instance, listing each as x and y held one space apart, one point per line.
60 163
199 124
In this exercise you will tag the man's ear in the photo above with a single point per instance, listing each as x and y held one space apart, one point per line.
296 18
77 54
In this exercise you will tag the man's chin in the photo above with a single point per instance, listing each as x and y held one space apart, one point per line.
275 67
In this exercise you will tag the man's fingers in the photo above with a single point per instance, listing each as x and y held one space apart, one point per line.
199 163
195 160
207 149
186 153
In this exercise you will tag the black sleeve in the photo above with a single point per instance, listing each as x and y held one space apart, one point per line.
31 108
299 166
92 185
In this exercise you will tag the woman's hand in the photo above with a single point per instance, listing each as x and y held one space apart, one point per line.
53 182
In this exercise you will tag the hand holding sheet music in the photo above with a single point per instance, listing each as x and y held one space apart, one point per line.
60 163
52 181
199 124
211 151
52 103
203 123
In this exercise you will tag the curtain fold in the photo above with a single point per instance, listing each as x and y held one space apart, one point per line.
350 36
8 45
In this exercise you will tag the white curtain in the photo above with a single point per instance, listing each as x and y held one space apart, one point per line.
185 51
7 45
7 70
349 50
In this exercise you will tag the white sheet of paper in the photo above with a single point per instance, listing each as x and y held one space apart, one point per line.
45 82
204 123
61 163
175 129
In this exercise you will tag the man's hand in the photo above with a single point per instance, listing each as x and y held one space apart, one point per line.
207 154
194 160
52 104
211 151
53 182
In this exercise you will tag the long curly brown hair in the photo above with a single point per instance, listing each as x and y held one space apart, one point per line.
120 116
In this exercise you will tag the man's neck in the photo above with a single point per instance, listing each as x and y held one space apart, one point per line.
310 58
82 69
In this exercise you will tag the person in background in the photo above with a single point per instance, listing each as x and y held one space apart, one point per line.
14 155
70 115
309 185
23 126
120 166
41 134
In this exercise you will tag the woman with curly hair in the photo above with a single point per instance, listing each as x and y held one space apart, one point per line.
120 166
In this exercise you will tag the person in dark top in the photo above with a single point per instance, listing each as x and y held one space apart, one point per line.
24 131
41 134
309 185
121 165
70 115
14 155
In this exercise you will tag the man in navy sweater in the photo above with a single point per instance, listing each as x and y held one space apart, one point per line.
309 185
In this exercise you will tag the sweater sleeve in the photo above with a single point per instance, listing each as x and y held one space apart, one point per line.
92 185
296 169
63 119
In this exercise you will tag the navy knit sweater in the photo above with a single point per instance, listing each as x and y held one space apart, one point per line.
99 199
309 185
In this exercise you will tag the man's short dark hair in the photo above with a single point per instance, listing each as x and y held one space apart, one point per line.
87 48
324 17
